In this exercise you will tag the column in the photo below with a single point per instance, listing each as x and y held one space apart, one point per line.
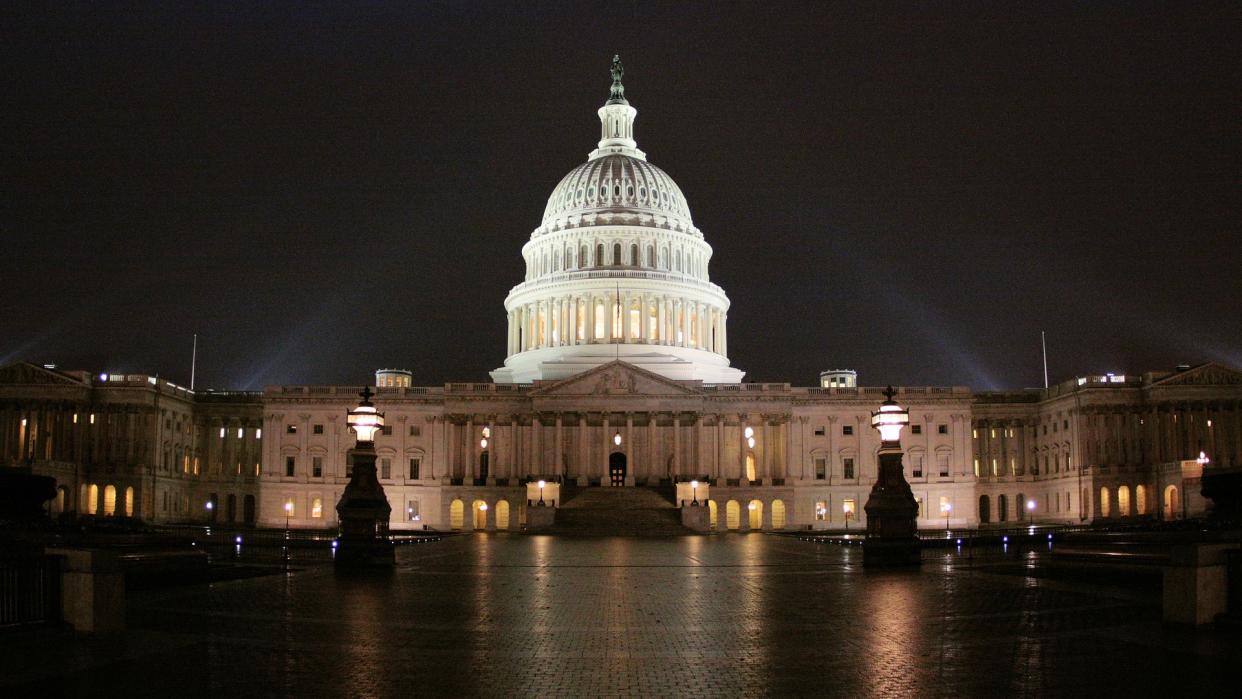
536 443
630 470
584 449
515 425
652 453
607 450
698 444
469 470
625 322
677 443
559 459
720 447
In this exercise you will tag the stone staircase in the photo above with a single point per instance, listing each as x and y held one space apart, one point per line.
604 511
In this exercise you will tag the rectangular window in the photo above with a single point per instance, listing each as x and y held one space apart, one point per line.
316 507
974 433
848 509
1066 424
819 431
291 429
317 429
942 429
241 432
917 467
821 469
415 465
847 468
288 467
847 429
412 511
385 468
415 430
917 429
317 466
943 462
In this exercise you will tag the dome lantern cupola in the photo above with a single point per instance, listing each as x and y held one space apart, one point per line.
616 119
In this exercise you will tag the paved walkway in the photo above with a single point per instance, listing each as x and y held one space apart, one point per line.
736 615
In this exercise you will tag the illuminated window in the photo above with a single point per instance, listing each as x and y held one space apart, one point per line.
847 508
241 431
415 431
109 500
196 465
92 418
258 433
412 511
1105 505
1140 500
821 510
943 463
974 433
916 468
1123 501
977 468
316 508
290 510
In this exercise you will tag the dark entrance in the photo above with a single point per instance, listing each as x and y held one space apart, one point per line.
248 509
616 468
483 464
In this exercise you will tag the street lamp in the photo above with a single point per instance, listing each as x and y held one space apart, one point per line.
946 508
288 511
892 511
541 485
363 510
694 491
1030 507
616 438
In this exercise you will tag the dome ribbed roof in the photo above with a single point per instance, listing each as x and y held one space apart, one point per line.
617 184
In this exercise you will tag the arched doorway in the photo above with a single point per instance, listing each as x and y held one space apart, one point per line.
1140 499
248 509
1002 508
61 498
483 467
129 501
230 507
457 514
1105 503
1123 501
502 514
1021 503
778 514
616 468
479 516
712 514
733 515
109 500
1170 502
750 465
985 510
755 514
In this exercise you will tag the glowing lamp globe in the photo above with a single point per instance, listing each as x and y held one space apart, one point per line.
365 419
890 418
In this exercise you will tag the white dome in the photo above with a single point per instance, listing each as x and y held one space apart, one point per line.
623 188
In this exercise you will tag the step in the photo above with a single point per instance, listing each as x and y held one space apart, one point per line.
631 498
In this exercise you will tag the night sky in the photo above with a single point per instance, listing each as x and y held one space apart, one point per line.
912 190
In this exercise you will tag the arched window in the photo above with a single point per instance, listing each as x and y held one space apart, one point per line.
634 254
733 515
457 515
1140 499
677 261
755 514
616 254
750 466
129 501
1002 508
600 319
1123 501
985 510
651 256
502 514
1105 505
582 257
599 255
778 514
109 500
92 499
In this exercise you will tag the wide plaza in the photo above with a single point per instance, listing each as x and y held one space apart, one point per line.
736 615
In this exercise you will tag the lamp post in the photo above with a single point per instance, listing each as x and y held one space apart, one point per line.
1030 507
892 511
1203 461
288 510
947 509
541 485
363 510
694 492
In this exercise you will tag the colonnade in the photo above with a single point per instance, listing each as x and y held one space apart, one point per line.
633 317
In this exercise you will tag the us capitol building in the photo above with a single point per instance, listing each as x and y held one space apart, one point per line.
617 374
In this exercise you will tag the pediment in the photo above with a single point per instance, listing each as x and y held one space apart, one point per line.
1210 374
26 374
617 378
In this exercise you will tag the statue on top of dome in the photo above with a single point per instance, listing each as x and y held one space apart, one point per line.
618 91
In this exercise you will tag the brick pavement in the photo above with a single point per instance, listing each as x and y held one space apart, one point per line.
736 615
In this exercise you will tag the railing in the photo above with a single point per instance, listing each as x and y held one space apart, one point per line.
29 589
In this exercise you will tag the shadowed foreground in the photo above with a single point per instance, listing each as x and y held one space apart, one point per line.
719 615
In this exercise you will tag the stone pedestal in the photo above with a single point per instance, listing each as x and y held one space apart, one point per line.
696 517
1196 583
892 515
539 517
92 593
363 512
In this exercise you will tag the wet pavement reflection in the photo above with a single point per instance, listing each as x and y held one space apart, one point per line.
506 614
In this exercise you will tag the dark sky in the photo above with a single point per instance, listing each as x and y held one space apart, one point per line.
913 190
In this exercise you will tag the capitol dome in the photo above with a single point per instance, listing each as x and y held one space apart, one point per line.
617 188
617 270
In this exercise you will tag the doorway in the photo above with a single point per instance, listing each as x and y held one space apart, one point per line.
616 468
